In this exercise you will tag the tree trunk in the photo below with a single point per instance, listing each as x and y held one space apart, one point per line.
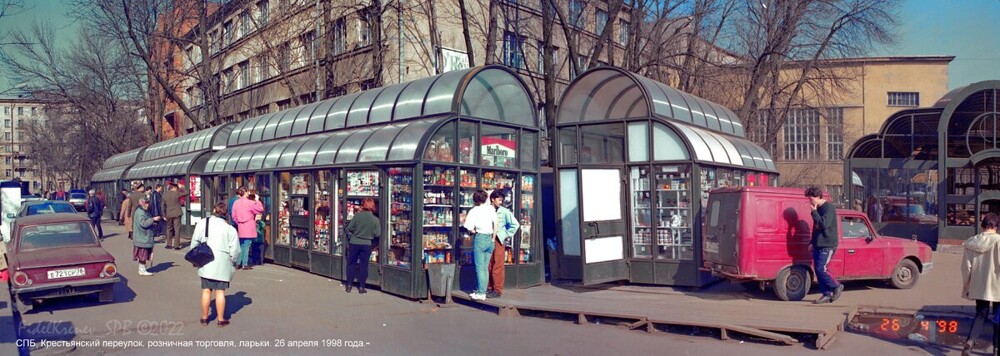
466 34
491 34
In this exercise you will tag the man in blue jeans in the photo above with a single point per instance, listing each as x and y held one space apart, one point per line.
824 244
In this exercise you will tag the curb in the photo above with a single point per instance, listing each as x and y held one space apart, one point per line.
8 324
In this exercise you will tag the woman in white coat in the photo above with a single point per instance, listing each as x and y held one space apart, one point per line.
215 275
981 276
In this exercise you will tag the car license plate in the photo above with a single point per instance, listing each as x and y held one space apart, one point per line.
66 273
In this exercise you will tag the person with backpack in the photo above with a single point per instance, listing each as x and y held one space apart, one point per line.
95 209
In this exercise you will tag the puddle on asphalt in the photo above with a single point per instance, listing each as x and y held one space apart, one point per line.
924 329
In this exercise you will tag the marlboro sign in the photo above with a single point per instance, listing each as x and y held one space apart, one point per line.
498 152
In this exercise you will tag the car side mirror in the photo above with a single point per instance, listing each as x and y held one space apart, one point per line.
10 215
869 239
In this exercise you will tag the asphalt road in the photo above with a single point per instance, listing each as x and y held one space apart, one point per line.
276 309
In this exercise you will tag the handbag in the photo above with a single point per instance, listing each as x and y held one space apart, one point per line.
201 255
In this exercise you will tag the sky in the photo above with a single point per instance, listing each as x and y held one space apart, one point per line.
966 29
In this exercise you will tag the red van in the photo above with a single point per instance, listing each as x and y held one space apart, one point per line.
762 234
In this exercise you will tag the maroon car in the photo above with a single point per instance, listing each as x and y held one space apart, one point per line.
57 255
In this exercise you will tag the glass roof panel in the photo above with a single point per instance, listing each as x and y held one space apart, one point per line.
307 154
697 115
318 118
384 104
441 97
337 118
574 101
287 159
244 163
271 160
257 159
710 116
270 130
233 159
245 130
220 162
258 127
407 142
701 150
626 104
285 125
744 152
661 100
358 115
410 102
667 144
328 151
302 119
378 145
348 152
719 153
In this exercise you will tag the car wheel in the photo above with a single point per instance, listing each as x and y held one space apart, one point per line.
793 283
906 275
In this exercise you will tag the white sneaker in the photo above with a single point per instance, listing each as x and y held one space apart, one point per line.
143 272
477 296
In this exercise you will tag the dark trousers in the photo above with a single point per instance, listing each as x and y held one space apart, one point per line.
173 227
982 315
97 225
497 276
821 258
357 263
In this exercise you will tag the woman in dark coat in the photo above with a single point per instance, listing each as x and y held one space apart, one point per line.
363 232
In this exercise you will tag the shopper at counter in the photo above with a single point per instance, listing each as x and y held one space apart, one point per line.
481 221
245 212
363 232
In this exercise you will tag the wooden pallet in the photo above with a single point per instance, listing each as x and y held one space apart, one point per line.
776 321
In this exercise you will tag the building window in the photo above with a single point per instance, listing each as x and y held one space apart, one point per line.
284 104
8 173
581 62
32 110
284 58
339 33
601 19
541 57
262 12
308 41
6 110
263 69
6 160
512 55
227 33
801 134
244 75
575 12
7 136
6 123
623 32
20 110
835 134
904 98
364 28
262 110
245 23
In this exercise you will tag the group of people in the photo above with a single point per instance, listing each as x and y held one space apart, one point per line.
147 215
492 225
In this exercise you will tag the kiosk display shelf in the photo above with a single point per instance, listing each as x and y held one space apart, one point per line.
527 209
468 186
641 201
324 232
361 185
438 215
674 238
400 217
299 205
284 212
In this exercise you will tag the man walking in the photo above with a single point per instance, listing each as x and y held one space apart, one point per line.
172 212
824 244
95 209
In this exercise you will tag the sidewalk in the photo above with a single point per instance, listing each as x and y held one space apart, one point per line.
8 328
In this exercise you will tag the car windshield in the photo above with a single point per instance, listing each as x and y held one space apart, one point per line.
65 234
50 208
915 210
78 196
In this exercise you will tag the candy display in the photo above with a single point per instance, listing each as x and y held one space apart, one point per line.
400 216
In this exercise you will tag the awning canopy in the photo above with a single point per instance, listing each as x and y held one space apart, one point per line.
210 138
124 158
110 174
712 147
612 93
490 92
393 142
168 167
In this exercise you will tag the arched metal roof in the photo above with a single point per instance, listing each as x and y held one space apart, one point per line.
393 142
169 167
490 92
124 158
711 147
109 174
608 93
210 138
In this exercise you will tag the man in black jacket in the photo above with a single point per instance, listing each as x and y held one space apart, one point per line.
824 244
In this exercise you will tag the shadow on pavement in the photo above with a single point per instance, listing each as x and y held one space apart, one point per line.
236 302
163 266
122 294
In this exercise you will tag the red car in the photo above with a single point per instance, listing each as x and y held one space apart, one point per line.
762 234
58 255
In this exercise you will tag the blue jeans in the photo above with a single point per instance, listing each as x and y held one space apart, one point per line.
821 258
244 259
482 250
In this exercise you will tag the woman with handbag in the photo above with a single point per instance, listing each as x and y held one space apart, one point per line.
363 232
981 277
216 232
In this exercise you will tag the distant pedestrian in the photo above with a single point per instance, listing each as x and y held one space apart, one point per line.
981 277
216 275
363 232
245 212
481 221
507 226
133 205
156 208
123 197
142 239
172 212
95 209
824 244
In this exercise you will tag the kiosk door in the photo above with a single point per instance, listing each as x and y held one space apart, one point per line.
603 225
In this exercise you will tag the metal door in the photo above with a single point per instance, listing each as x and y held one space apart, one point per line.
603 228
